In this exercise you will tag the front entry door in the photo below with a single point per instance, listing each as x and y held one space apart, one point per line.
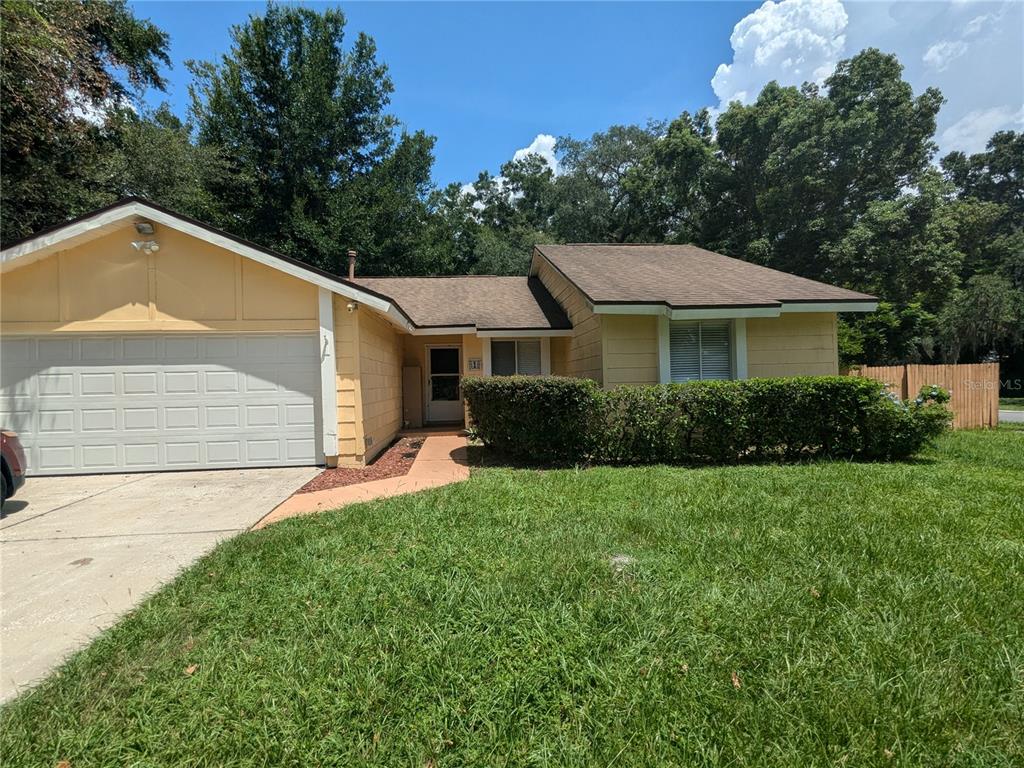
444 393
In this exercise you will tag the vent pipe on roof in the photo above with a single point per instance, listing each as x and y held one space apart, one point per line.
351 265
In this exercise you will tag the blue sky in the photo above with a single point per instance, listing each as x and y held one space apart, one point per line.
488 79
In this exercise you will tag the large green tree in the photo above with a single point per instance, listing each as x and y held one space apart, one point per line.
65 68
316 162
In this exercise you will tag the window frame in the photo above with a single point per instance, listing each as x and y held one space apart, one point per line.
737 347
544 348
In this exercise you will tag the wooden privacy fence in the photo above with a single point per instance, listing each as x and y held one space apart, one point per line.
974 389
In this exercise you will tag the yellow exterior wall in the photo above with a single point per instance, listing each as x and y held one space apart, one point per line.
630 352
792 345
583 356
189 285
350 415
380 373
560 355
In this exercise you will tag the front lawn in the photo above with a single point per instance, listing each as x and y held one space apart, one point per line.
1011 403
828 614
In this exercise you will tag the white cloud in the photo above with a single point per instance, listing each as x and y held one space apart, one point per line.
543 145
971 133
941 55
978 24
792 41
968 50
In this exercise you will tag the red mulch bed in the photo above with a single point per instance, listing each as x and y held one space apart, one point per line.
394 462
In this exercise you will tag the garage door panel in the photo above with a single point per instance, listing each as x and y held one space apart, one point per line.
301 450
184 417
99 349
141 419
99 420
161 403
140 348
98 384
186 348
142 456
56 384
139 383
53 422
223 416
56 349
221 382
224 451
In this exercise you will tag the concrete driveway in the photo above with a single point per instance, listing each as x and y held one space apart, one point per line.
1013 417
76 553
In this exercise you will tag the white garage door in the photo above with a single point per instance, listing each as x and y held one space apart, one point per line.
143 403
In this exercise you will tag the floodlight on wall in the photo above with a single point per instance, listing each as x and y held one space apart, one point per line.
144 227
146 246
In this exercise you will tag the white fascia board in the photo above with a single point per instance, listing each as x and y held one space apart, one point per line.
835 306
448 330
724 313
39 247
697 313
524 334
629 309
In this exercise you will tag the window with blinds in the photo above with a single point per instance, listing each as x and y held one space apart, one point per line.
700 349
509 358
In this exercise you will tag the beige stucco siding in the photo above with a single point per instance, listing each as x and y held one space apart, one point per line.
583 356
792 345
106 286
630 351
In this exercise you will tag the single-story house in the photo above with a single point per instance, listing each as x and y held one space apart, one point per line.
138 339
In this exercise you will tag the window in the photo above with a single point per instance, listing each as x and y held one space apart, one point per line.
700 349
509 358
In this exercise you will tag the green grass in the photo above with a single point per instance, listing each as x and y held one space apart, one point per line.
871 615
1011 403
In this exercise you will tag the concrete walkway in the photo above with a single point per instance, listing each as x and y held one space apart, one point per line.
441 460
1012 417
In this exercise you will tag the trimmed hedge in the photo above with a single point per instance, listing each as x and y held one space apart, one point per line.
555 420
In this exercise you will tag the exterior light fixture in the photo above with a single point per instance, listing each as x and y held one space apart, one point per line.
146 246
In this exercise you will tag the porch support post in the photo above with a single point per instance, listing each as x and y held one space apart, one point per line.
739 344
664 358
487 355
328 377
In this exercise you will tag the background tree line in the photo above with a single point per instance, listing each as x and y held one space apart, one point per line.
289 143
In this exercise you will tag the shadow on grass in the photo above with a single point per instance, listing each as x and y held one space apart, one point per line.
484 457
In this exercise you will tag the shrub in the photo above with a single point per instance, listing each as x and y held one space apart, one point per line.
558 420
546 419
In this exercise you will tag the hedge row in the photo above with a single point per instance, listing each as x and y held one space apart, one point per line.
555 420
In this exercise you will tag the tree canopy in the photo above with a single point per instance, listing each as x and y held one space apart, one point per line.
289 143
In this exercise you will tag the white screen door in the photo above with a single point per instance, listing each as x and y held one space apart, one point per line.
444 393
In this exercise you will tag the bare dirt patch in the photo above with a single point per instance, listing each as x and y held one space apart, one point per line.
394 462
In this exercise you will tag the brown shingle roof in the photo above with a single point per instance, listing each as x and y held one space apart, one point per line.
682 277
484 301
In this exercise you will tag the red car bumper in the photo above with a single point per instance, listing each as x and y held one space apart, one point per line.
13 460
